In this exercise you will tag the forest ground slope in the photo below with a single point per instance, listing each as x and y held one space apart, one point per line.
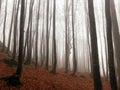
40 79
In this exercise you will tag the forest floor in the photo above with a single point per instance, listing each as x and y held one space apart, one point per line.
40 79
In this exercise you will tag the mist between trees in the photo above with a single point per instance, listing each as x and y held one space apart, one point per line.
75 35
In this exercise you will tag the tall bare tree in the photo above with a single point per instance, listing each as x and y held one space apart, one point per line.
73 34
47 36
116 37
36 42
110 46
21 40
94 47
42 40
88 38
66 37
54 40
14 80
15 32
4 27
29 37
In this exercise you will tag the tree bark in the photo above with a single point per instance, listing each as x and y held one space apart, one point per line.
54 40
112 27
36 42
74 49
47 36
15 32
94 48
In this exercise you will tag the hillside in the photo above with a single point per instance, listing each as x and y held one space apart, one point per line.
40 79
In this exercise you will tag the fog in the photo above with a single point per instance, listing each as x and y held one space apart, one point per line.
80 28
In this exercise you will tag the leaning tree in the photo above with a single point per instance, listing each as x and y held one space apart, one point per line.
14 80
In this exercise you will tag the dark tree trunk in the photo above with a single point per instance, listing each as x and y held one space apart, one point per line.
0 5
113 80
26 35
47 36
14 80
21 41
4 27
66 37
54 40
15 32
74 49
94 47
29 40
116 38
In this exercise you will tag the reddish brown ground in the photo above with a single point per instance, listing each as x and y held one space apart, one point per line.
40 79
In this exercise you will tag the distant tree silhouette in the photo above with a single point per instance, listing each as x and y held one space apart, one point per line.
4 27
29 37
73 34
47 36
36 41
66 36
15 32
54 40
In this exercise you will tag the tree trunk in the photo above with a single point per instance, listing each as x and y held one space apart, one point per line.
15 32
54 40
47 36
66 37
14 80
112 27
21 41
29 42
4 27
74 49
94 48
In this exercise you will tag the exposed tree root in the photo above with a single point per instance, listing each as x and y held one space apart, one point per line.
13 80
